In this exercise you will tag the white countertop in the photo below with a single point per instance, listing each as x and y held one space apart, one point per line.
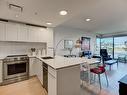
2 57
61 62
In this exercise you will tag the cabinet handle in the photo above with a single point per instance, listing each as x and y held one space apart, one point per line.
45 68
52 75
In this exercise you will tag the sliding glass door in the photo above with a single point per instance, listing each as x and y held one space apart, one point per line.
107 43
116 46
120 46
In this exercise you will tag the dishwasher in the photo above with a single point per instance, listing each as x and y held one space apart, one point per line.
45 76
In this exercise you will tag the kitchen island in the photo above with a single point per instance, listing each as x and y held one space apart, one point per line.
64 74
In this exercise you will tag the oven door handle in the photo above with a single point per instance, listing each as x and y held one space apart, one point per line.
16 62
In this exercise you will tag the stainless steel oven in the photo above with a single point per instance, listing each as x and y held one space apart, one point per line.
15 68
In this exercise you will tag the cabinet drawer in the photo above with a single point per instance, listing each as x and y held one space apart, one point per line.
52 71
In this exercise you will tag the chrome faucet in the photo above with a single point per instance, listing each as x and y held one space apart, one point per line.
55 48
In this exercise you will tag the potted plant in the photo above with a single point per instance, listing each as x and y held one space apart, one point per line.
33 51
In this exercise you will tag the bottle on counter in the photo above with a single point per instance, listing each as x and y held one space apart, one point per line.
39 52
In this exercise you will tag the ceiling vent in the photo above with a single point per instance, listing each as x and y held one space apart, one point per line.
15 8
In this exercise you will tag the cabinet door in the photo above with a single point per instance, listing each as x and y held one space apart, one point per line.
1 74
35 68
46 35
2 31
42 35
52 81
52 85
49 39
38 34
39 70
32 64
12 31
33 33
23 33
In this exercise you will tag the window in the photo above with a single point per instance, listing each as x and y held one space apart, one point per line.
107 43
120 46
115 48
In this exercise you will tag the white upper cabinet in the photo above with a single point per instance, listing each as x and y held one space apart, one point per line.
33 34
23 33
42 35
12 30
2 31
38 34
49 37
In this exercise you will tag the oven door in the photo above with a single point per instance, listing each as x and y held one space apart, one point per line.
15 69
45 76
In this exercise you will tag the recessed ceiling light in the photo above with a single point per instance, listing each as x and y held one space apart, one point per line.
88 19
49 23
63 12
16 15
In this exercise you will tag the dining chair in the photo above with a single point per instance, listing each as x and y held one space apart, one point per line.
98 71
104 55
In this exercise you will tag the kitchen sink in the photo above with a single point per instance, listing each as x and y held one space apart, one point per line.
47 57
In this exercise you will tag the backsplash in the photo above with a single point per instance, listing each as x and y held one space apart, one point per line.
15 48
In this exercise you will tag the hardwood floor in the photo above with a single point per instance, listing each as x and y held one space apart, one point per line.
27 87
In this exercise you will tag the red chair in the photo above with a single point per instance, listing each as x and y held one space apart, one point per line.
100 70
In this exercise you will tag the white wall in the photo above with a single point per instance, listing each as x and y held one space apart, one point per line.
72 34
17 48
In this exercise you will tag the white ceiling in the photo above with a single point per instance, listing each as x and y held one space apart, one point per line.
47 10
107 16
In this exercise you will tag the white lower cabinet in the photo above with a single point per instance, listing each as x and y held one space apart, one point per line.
1 69
39 70
52 81
32 64
35 68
